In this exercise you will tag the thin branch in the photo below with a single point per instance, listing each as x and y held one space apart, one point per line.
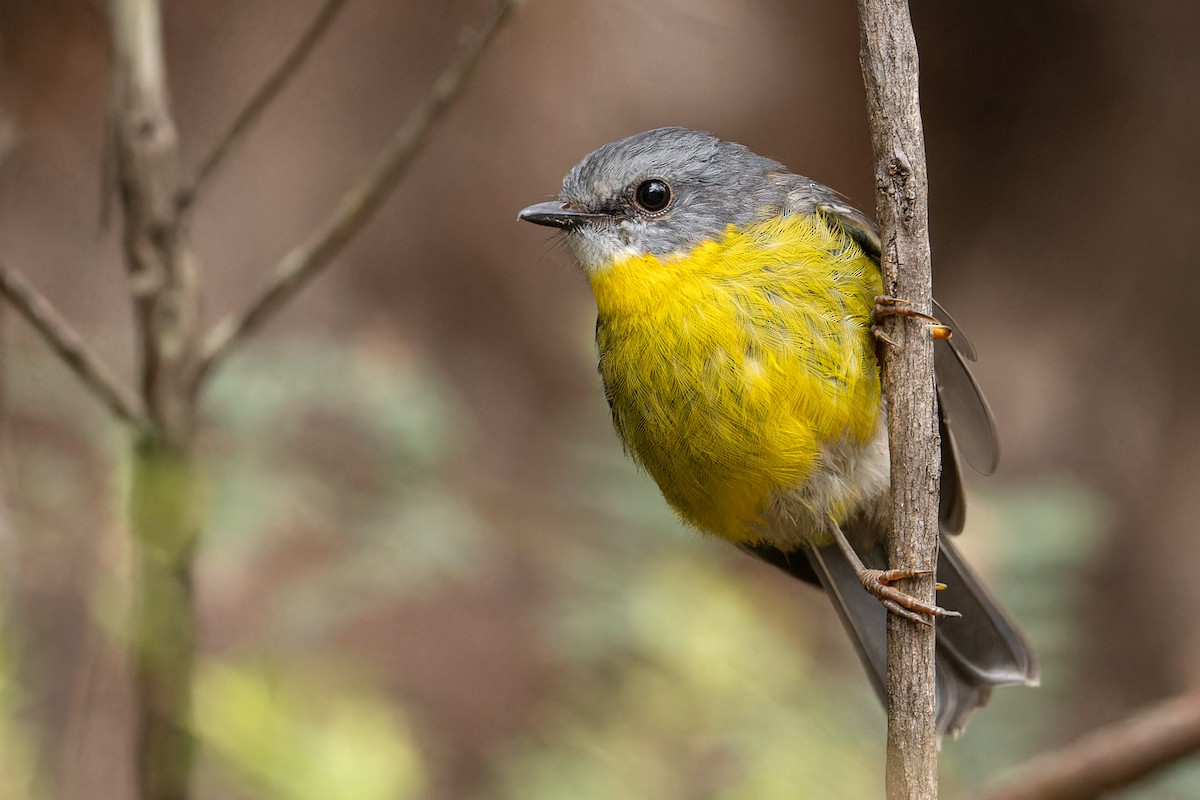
1112 757
359 204
888 55
70 347
262 98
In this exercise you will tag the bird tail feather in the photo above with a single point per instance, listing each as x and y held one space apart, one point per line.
975 653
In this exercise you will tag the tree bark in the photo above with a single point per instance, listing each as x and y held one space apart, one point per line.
888 56
164 507
166 522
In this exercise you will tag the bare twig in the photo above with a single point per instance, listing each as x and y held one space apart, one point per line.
1112 757
359 204
70 346
261 99
888 55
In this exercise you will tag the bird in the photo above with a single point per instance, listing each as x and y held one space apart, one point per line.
739 353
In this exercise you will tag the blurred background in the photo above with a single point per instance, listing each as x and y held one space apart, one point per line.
430 572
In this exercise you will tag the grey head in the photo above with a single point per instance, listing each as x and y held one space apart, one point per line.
661 192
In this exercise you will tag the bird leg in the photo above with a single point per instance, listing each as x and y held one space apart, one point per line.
887 306
878 583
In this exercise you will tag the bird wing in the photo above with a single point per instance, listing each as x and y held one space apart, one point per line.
968 416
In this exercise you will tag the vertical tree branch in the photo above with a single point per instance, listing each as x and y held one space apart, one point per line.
888 56
162 276
165 495
166 518
165 510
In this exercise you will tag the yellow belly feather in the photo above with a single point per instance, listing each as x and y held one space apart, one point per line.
732 368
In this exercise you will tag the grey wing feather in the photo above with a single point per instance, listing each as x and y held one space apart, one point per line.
855 223
952 500
984 643
982 650
971 423
969 417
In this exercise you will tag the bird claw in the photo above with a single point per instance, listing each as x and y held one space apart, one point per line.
878 583
877 332
888 306
900 611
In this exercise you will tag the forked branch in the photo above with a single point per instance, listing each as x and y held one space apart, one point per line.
359 204
70 347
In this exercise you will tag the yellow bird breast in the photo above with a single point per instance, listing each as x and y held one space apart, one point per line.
742 374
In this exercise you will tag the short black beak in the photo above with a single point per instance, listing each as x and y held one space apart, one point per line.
557 214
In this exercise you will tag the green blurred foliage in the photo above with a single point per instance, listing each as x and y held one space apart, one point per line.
685 688
690 678
350 448
1180 781
57 481
678 668
295 735
17 763
1031 540
313 441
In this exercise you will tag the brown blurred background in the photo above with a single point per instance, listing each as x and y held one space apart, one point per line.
425 546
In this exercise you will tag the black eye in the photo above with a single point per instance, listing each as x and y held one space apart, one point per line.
652 195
